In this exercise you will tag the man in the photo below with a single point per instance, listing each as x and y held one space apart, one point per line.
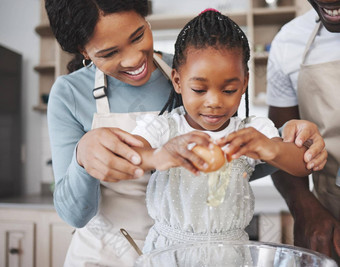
303 78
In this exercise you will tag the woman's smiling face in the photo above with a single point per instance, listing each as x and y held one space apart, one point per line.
122 47
211 82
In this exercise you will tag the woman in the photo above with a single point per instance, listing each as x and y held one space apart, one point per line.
87 157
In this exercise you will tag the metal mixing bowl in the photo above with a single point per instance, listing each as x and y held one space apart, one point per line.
234 254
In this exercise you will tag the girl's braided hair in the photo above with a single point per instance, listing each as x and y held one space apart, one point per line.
209 29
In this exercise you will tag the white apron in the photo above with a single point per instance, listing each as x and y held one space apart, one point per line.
319 102
122 205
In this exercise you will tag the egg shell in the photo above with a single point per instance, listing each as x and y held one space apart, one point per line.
214 157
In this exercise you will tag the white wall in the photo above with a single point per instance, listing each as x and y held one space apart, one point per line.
18 18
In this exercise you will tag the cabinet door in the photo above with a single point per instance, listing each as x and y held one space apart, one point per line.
61 235
16 244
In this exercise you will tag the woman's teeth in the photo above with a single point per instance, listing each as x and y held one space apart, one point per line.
332 13
137 71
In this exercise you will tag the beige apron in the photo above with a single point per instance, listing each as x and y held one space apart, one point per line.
318 97
122 205
319 102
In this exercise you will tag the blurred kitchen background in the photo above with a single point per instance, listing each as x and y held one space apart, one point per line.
30 60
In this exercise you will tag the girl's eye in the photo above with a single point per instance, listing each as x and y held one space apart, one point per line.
110 54
229 92
138 37
198 91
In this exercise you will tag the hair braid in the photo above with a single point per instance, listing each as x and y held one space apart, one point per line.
209 29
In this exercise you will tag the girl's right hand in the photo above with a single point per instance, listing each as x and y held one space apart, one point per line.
105 153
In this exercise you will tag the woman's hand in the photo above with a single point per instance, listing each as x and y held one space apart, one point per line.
105 153
177 152
302 131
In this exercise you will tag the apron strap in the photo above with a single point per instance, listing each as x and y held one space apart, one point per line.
100 85
100 92
164 68
310 41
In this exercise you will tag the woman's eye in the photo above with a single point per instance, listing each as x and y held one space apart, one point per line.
110 54
199 91
138 37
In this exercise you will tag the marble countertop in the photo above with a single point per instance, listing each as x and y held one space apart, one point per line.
267 199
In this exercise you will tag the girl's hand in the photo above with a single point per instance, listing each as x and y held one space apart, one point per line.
300 131
177 152
249 142
106 155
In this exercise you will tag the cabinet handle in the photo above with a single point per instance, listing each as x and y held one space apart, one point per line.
14 251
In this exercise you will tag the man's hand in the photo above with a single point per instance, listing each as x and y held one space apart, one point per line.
300 131
315 228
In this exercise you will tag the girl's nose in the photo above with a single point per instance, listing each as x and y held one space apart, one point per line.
213 100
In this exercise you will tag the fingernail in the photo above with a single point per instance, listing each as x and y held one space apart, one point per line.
309 157
138 173
135 160
299 142
205 166
316 169
310 166
211 146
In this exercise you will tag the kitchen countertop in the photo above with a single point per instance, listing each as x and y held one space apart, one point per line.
28 202
267 199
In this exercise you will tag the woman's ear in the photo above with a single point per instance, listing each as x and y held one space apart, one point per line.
176 83
84 53
246 81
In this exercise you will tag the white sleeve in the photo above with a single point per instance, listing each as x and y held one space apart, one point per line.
280 90
153 128
265 126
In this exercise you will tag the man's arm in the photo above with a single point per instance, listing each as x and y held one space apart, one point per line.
313 224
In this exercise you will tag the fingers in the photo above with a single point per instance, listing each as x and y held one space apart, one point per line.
240 143
315 149
322 244
319 162
106 157
112 141
304 134
180 150
127 137
289 131
198 138
107 166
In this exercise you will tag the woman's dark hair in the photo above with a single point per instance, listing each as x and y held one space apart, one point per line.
73 21
209 29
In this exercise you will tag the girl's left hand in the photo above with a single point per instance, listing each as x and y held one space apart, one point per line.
249 142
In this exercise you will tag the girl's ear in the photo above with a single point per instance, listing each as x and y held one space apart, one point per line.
246 80
176 83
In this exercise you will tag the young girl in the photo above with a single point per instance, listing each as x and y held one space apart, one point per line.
209 76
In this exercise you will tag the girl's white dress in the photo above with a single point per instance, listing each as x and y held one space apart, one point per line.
177 199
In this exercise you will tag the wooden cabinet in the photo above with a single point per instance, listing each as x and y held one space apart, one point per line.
260 22
32 238
53 61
